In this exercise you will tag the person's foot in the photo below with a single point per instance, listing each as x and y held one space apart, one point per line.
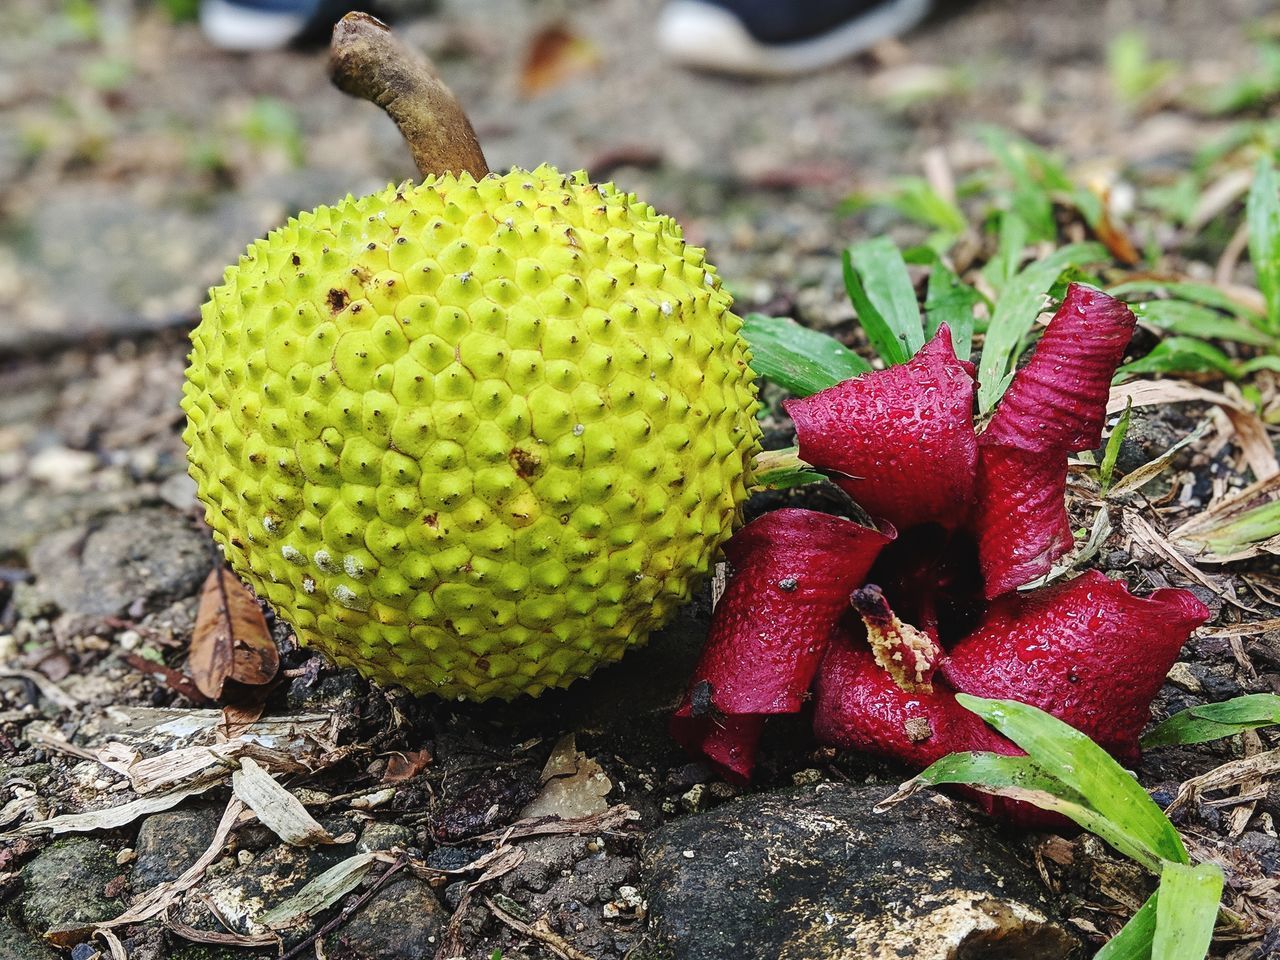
769 38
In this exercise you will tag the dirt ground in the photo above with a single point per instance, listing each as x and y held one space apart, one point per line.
136 162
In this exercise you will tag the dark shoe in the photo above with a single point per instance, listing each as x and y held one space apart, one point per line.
270 24
770 38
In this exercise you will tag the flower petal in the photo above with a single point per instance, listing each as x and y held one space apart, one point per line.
1058 401
903 436
1054 406
858 706
794 572
1022 524
1087 651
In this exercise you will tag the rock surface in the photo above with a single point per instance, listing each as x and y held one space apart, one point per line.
16 945
103 569
168 843
812 873
403 921
66 884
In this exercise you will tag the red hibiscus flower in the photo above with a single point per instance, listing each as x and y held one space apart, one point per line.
882 626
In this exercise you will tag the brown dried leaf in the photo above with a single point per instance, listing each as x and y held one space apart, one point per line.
406 766
231 640
555 55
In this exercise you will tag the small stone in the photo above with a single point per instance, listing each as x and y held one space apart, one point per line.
385 836
807 777
129 639
1180 675
152 557
62 469
168 843
126 857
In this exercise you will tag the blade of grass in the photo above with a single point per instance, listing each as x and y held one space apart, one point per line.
1015 316
798 359
1262 213
1108 466
1186 911
881 280
1133 942
1214 721
1203 293
1185 318
1024 779
781 469
1182 355
1068 755
951 301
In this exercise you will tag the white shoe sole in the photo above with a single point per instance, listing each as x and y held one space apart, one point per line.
710 38
233 27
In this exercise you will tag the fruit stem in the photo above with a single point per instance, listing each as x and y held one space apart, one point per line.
366 60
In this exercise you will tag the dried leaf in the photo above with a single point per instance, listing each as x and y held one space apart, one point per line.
406 766
231 640
178 682
573 785
319 894
48 689
112 817
556 55
276 807
1217 534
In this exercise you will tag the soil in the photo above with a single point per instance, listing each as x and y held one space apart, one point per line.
136 161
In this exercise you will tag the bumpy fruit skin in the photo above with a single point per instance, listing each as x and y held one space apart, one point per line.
474 438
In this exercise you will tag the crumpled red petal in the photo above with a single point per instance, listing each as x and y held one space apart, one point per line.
794 572
1023 524
857 706
903 436
1054 406
1058 401
1087 651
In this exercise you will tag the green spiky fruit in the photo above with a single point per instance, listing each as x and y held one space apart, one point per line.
472 437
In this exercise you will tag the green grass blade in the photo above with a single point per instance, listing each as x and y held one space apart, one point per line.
1133 942
1107 468
951 301
1263 215
1022 778
781 469
1203 293
1186 911
1214 721
1015 316
798 359
1182 355
1255 526
1184 318
881 280
1068 755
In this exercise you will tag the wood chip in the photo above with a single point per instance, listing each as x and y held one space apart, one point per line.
276 807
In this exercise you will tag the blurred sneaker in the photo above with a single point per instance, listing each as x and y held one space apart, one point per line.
269 24
770 38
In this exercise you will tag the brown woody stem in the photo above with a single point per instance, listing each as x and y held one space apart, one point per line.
367 61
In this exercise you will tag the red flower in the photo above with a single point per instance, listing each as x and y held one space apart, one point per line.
883 626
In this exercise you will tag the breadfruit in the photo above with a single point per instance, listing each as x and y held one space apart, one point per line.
474 438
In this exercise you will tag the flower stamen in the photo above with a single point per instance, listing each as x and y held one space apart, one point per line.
907 654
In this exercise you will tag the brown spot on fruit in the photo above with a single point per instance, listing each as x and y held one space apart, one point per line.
526 463
337 299
432 519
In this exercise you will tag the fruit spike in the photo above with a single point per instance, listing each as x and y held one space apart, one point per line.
472 437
